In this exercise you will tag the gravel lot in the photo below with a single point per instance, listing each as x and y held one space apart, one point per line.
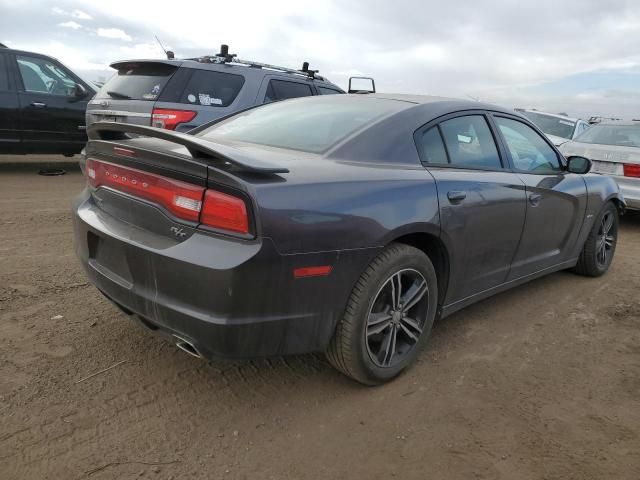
542 382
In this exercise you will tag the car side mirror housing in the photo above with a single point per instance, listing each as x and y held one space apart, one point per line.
80 91
578 165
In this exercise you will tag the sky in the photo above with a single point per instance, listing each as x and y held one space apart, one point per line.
581 57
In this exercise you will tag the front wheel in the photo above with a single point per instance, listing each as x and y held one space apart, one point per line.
600 246
388 317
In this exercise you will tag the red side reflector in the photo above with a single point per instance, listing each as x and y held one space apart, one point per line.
225 212
181 199
318 271
170 119
631 170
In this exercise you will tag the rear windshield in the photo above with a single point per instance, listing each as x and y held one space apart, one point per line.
310 124
618 135
552 125
137 81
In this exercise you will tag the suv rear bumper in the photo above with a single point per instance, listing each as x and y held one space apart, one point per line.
226 297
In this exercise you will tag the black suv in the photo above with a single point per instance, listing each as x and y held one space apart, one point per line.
42 105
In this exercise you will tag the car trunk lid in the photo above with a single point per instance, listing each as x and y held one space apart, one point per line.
172 183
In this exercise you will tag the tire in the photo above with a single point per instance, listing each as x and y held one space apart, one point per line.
603 235
357 348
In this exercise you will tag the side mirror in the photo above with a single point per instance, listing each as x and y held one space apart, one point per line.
578 165
80 91
361 85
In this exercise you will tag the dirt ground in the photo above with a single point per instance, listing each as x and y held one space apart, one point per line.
542 382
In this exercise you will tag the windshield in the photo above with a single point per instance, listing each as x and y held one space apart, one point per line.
618 135
137 81
310 124
552 125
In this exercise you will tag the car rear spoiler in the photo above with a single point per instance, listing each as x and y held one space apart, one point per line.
196 146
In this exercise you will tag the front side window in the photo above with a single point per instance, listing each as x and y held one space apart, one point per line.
282 90
327 91
43 76
470 143
529 151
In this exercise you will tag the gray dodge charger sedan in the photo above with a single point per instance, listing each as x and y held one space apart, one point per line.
343 224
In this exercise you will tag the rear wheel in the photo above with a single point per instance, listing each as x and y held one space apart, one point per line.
388 317
600 246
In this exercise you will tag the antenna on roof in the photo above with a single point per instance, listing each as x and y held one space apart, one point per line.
170 55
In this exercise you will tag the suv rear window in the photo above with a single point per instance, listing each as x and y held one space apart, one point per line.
137 81
209 88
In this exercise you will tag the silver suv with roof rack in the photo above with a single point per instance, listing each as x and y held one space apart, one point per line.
183 94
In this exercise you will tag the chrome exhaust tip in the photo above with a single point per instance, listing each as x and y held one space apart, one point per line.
187 346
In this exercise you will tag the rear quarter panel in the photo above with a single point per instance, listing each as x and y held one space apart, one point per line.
356 206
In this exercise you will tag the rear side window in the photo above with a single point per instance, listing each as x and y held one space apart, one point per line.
137 81
281 90
470 143
4 78
433 150
327 91
209 88
529 151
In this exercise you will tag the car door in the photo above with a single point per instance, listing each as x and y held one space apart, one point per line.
556 199
9 109
482 204
52 115
274 89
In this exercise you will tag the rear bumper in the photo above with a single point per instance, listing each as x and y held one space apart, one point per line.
630 188
227 297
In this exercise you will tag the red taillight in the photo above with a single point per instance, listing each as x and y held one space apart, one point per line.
169 119
181 199
184 200
225 212
631 170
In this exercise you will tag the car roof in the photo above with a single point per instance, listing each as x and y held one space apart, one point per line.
194 63
556 115
456 104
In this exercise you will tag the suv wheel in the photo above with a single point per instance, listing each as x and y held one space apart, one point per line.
388 317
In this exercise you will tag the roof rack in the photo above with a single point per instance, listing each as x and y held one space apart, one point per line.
225 57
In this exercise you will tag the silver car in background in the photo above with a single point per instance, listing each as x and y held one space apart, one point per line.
558 128
614 149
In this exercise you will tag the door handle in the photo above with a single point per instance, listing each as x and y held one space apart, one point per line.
534 199
38 104
456 196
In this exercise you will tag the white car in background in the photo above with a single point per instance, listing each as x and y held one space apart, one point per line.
558 128
614 150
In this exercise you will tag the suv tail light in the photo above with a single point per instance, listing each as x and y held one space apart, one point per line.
631 170
189 202
170 119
